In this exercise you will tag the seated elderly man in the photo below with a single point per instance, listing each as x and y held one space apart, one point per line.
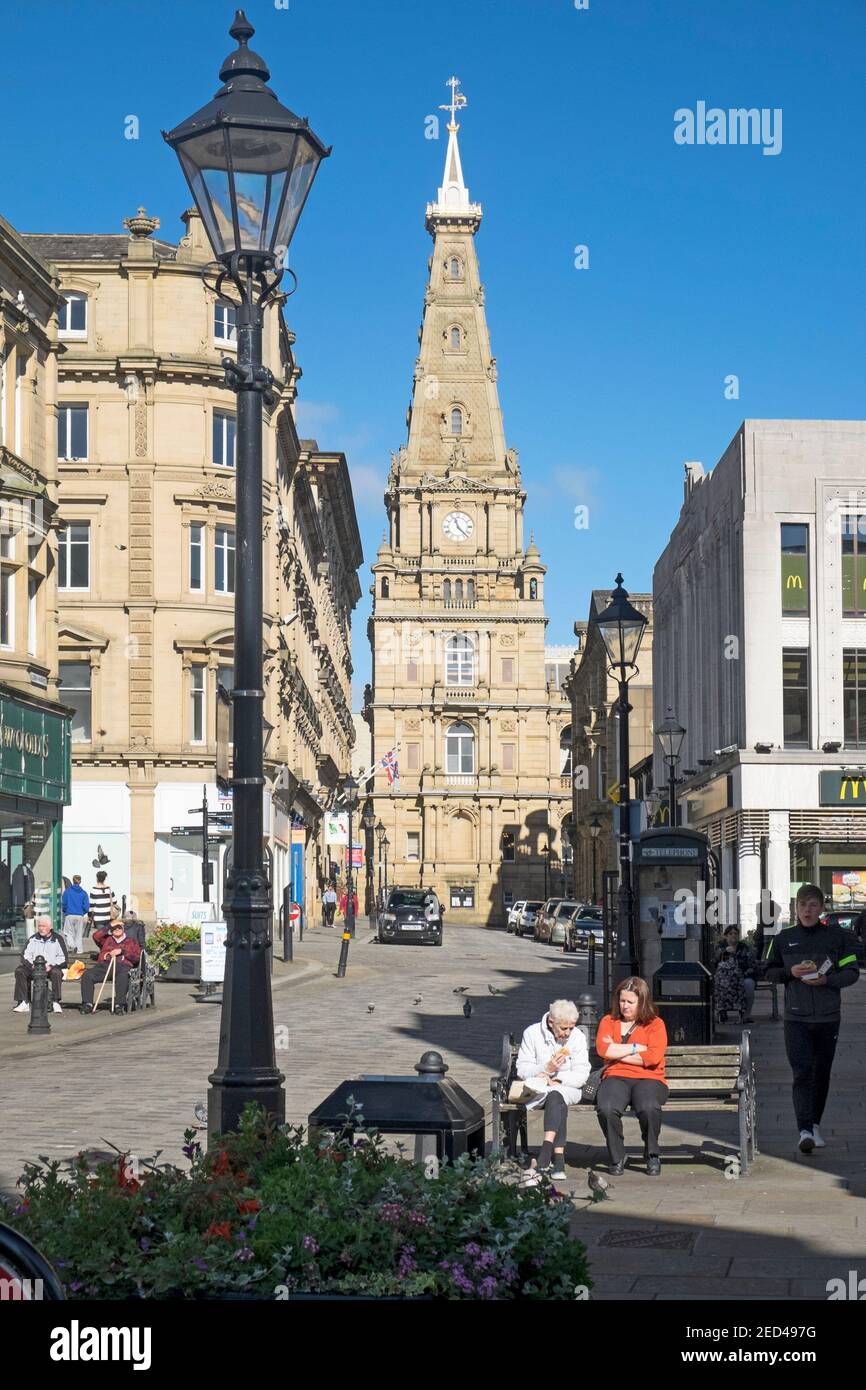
117 946
49 944
553 1064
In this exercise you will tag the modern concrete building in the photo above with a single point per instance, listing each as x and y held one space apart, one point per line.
459 685
593 694
760 649
34 724
145 435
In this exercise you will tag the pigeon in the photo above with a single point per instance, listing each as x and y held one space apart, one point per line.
598 1186
371 1008
417 1000
461 989
101 858
467 1009
201 1112
494 990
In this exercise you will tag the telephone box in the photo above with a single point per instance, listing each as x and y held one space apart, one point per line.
673 876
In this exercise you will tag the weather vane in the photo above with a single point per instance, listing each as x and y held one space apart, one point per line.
457 102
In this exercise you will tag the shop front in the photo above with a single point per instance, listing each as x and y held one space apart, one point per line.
35 774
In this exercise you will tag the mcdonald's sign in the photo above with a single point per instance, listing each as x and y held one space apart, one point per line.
842 789
794 581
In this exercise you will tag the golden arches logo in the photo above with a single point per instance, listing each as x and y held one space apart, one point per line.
855 783
794 581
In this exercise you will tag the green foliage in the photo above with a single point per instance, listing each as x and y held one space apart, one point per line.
164 944
268 1214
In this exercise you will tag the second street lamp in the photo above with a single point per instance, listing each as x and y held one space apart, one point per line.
380 835
622 628
350 797
594 830
545 854
368 823
670 735
249 163
386 845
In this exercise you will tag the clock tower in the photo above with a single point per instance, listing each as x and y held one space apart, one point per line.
458 623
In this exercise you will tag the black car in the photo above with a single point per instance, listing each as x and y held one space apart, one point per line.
405 917
584 922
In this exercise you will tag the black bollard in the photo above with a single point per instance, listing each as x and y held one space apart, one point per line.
286 912
344 954
39 998
590 960
588 1019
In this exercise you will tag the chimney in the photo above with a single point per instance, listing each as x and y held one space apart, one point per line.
195 245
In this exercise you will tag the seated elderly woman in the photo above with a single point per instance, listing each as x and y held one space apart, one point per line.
553 1064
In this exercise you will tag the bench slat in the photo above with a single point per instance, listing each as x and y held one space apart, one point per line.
704 1083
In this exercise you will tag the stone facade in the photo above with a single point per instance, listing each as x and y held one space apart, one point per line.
146 475
593 694
458 623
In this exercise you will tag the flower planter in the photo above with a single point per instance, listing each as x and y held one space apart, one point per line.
186 965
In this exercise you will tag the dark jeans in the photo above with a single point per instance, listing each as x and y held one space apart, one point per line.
646 1098
810 1048
556 1117
23 976
329 909
96 973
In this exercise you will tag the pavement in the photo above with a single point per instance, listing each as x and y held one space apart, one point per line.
779 1233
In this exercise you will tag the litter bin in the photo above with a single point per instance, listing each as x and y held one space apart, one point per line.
682 995
442 1117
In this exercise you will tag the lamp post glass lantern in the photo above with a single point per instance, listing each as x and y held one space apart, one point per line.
545 854
670 735
249 163
622 627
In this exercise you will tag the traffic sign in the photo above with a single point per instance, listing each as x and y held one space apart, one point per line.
295 912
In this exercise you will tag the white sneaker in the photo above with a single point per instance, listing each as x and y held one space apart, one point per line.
22 1008
819 1142
807 1141
56 1008
559 1174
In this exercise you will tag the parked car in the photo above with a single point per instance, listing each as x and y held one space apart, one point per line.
514 913
526 922
404 918
845 918
584 922
547 908
552 926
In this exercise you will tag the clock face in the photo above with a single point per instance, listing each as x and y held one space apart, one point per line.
458 526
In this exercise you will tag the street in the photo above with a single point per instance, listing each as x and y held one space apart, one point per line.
782 1232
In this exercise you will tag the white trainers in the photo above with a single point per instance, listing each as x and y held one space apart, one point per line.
56 1008
807 1141
819 1142
559 1174
22 1008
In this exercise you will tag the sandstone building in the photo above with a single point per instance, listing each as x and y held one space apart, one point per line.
146 568
458 623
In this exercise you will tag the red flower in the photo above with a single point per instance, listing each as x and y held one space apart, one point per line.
247 1205
220 1229
123 1178
221 1164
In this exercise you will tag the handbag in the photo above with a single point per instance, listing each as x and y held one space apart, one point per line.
590 1086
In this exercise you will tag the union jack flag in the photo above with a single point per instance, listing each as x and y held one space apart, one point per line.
389 762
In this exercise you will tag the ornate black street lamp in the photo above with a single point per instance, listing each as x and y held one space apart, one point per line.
670 735
622 628
350 800
594 830
380 835
545 854
249 163
386 845
368 823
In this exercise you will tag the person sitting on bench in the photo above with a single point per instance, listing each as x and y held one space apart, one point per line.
50 945
114 944
553 1063
633 1040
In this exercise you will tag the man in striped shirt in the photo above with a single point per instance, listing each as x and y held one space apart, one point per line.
102 900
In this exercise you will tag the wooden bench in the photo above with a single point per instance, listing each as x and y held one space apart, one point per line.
711 1077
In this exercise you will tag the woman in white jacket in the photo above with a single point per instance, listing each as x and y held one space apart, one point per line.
553 1063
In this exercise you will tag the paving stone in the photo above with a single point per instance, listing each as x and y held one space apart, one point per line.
687 1286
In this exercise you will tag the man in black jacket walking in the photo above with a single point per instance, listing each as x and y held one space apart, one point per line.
815 963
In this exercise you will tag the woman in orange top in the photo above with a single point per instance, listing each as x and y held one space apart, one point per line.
632 1040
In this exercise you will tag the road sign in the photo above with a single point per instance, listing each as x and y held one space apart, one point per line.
295 912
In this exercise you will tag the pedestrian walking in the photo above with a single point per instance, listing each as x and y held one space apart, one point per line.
814 962
329 904
344 904
102 900
633 1040
75 905
553 1064
50 945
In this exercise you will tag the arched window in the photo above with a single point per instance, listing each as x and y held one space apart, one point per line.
446 590
470 590
459 749
386 586
459 661
454 268
533 588
457 420
456 338
565 752
458 590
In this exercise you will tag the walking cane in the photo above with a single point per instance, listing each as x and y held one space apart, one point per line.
108 976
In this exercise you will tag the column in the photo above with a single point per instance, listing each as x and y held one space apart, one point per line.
750 884
779 863
142 867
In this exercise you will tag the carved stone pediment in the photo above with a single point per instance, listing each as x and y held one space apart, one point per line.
216 488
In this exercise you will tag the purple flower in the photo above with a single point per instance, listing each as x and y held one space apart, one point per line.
473 1248
200 1263
487 1287
144 1243
406 1264
392 1212
311 1245
244 1254
418 1218
75 1286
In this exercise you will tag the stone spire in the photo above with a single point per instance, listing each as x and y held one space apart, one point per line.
452 205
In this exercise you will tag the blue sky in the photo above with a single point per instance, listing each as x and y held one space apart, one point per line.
704 260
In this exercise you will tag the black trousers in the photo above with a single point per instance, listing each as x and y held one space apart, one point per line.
96 973
810 1048
23 976
329 909
556 1117
646 1098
